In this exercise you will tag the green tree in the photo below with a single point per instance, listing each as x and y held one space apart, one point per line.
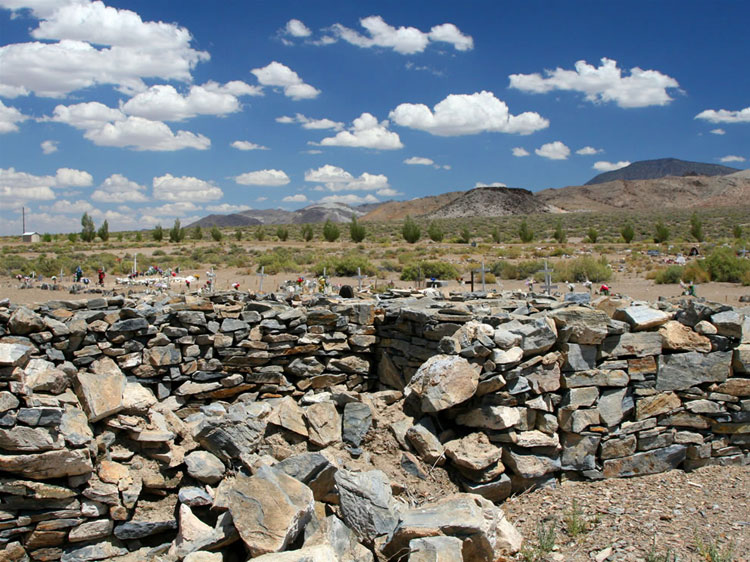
46 237
465 235
238 234
177 234
260 233
73 237
138 236
158 233
88 230
307 232
357 231
331 232
119 236
216 233
696 227
593 235
559 235
496 236
410 230
627 232
525 233
282 233
197 233
103 231
435 232
661 232
737 231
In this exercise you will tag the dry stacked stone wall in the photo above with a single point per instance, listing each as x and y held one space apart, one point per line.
155 426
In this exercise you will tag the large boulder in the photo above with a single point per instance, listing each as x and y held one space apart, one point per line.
581 325
442 382
101 390
270 510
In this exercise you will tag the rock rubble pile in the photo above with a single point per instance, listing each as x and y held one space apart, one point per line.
225 427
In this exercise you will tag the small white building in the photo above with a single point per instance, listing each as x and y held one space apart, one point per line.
31 237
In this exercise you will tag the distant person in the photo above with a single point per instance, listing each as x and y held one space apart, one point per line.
691 289
79 274
604 290
101 277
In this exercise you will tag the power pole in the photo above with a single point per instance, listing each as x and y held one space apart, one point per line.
23 214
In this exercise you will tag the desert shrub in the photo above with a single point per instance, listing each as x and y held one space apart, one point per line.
138 237
238 234
428 270
520 270
627 232
157 233
737 231
559 235
345 265
464 236
581 269
669 275
177 234
103 231
696 227
73 237
410 230
661 232
496 236
723 265
307 232
435 232
88 230
260 233
46 237
216 233
525 233
592 235
357 232
695 272
278 260
197 233
331 231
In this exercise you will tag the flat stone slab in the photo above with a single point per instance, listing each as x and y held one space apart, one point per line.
442 382
649 462
641 317
680 371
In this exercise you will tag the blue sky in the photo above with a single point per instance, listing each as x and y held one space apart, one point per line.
140 112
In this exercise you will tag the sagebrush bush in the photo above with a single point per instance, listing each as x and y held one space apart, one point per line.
428 270
520 270
669 275
580 269
345 265
723 265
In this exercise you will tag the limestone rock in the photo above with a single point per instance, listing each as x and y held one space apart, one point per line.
474 452
638 344
289 415
269 509
657 404
436 549
442 382
675 336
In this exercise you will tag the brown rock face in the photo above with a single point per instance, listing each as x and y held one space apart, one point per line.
678 337
101 390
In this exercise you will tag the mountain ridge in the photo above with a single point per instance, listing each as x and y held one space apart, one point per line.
661 167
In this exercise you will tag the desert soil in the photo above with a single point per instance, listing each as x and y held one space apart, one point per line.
649 515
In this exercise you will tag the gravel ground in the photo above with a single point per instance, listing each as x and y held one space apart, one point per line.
641 518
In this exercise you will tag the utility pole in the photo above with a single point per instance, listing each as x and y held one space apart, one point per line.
23 214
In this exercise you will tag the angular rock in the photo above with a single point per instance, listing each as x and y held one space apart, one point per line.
24 321
289 415
735 386
367 504
680 371
529 465
323 424
436 549
638 344
728 323
317 553
649 462
442 382
741 359
641 317
579 451
142 529
538 335
356 422
580 397
205 467
612 406
50 464
581 325
662 403
269 509
596 377
491 417
101 390
14 354
579 357
423 438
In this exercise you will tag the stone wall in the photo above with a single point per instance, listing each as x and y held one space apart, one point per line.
120 418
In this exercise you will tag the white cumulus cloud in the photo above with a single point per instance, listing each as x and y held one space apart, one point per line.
185 188
350 199
295 28
19 187
308 123
119 189
9 117
725 116
605 83
603 166
366 132
298 198
247 145
334 178
588 151
278 75
553 150
732 158
520 152
419 161
67 177
403 40
49 146
69 207
467 114
493 184
83 44
164 103
227 208
718 132
263 177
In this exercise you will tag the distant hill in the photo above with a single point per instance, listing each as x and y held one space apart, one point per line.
668 192
491 202
398 210
318 212
662 167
